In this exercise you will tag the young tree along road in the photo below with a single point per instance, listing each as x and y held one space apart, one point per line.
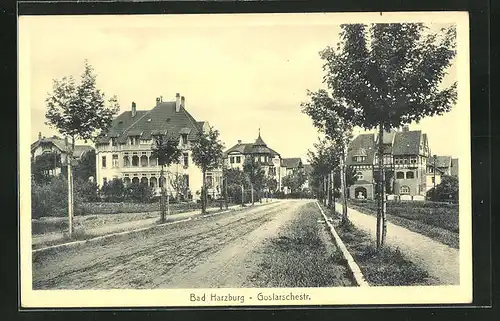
207 155
79 112
385 76
167 151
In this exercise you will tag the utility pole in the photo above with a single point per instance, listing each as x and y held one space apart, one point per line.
224 182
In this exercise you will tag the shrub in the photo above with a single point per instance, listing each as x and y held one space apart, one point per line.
138 193
86 190
51 199
113 191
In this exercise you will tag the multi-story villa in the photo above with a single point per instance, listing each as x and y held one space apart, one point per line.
125 150
270 160
58 146
405 161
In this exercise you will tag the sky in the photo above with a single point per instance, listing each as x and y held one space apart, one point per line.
239 73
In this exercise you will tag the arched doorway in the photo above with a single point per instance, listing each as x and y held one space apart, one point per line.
360 192
144 180
135 180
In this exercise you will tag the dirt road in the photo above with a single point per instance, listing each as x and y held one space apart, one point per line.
218 251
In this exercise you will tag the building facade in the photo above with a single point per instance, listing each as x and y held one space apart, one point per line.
439 166
406 155
125 151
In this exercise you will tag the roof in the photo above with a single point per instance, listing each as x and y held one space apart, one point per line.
443 161
291 162
258 147
61 145
361 145
145 123
407 143
454 167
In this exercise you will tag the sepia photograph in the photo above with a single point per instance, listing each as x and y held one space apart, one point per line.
244 159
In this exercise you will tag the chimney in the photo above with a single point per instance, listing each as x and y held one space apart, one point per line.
134 110
39 135
406 128
158 101
239 141
183 102
177 102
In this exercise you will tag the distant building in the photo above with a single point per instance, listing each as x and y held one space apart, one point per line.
443 166
308 171
125 151
273 165
58 146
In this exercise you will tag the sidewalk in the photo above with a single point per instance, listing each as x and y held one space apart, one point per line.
439 260
40 239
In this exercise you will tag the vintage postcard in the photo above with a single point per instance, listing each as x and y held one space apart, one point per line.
245 159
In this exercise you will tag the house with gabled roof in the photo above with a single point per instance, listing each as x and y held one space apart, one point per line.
57 145
439 166
125 150
405 160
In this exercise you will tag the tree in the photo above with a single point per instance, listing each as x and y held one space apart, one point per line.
447 190
295 181
166 151
179 184
79 111
114 190
85 168
387 75
207 154
43 165
255 174
324 161
337 130
138 192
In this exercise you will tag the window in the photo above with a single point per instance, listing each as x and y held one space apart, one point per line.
262 159
404 190
359 175
186 180
144 161
104 162
113 141
431 170
231 159
135 160
433 179
104 181
410 175
238 159
153 161
359 159
114 162
405 161
184 138
185 159
400 175
413 160
126 161
146 141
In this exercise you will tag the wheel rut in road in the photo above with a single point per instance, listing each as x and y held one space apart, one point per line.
160 257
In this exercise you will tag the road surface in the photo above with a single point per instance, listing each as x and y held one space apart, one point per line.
220 251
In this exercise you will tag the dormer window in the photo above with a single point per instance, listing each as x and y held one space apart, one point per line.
113 141
184 139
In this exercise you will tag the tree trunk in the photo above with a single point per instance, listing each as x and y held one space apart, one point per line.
381 219
329 190
168 194
343 182
203 194
333 194
225 191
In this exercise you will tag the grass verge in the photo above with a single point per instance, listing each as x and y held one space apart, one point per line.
382 267
415 221
302 255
